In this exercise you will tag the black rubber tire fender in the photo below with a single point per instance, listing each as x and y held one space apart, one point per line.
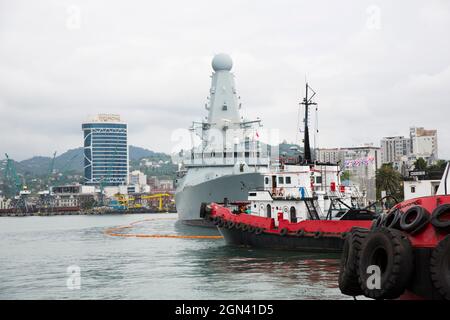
440 267
283 232
203 210
244 227
349 263
437 214
258 230
216 220
318 234
300 233
392 219
250 228
414 218
391 251
222 223
231 224
378 222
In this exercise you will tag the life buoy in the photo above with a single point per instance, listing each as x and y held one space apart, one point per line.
391 251
440 267
348 271
436 217
283 232
414 219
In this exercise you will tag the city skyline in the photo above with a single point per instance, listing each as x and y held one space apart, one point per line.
369 68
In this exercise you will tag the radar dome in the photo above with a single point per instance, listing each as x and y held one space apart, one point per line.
222 61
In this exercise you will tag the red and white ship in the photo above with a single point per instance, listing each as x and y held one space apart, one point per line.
301 207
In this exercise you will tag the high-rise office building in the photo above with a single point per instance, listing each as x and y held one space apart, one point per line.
105 151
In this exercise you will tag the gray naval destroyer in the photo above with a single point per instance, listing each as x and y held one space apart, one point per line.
228 159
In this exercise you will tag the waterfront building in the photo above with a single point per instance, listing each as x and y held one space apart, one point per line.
424 143
71 195
394 149
5 203
330 155
137 177
105 151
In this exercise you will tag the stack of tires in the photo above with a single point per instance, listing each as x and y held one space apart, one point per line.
382 263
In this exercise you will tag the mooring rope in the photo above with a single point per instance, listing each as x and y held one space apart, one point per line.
113 232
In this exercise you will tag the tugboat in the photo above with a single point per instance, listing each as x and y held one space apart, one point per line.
302 206
405 255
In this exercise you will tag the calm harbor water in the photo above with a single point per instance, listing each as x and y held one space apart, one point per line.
35 253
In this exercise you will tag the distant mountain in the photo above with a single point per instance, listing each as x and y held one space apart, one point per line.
72 161
137 153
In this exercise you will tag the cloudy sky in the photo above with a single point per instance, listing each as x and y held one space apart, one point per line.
378 67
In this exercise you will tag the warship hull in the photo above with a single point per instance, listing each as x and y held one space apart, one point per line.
233 187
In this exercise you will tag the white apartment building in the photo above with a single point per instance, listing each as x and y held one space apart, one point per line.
394 148
424 143
330 155
137 177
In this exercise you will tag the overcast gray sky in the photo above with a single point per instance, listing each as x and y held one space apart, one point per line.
378 67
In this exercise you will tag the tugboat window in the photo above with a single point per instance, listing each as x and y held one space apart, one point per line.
269 211
288 180
224 107
293 215
318 179
266 180
413 189
280 180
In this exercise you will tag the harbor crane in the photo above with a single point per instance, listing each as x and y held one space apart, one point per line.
19 189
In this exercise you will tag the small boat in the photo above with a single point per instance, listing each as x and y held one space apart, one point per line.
405 255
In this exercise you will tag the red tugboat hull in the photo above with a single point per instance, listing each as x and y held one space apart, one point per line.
260 232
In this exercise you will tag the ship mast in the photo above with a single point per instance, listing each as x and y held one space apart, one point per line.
307 101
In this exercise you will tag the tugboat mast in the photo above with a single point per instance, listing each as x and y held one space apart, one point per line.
306 146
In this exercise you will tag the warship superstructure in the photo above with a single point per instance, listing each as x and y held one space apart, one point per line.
229 159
